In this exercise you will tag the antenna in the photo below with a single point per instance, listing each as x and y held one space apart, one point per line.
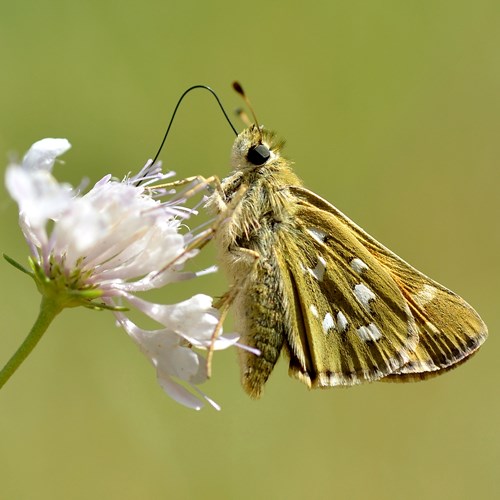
237 86
206 87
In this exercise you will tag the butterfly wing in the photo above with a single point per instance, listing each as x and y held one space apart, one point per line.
377 316
348 321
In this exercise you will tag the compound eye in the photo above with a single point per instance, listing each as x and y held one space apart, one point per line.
258 155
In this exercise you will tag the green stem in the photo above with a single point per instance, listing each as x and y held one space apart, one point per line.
49 309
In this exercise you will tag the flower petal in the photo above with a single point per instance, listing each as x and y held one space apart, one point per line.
193 319
43 153
170 359
179 393
39 196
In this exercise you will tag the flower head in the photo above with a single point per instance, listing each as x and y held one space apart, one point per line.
100 248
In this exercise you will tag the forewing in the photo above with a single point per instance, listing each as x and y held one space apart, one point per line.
449 329
349 321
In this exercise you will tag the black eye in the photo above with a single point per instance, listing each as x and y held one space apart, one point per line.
258 155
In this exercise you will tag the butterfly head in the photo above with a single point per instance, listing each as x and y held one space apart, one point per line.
255 148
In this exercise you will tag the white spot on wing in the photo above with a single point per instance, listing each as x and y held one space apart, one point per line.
319 271
425 295
328 323
313 310
364 295
318 235
342 322
369 332
358 265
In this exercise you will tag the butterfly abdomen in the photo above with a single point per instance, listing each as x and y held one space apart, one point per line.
260 311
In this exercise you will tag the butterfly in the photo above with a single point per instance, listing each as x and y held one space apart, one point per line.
310 283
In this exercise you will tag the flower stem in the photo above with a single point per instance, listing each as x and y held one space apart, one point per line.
49 309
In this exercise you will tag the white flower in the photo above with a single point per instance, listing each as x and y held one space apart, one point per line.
113 241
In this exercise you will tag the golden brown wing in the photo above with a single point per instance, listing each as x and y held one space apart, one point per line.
449 329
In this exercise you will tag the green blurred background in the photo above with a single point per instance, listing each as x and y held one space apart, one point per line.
390 110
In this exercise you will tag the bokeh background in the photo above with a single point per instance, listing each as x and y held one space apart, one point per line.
390 110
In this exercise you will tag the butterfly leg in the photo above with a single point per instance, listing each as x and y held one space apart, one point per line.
200 183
